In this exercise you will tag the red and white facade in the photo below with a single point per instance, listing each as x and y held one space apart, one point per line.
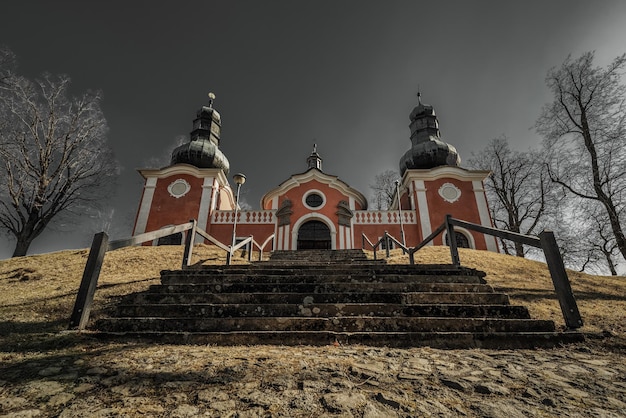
314 209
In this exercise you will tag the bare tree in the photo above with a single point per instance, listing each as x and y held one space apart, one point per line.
584 135
7 65
54 158
384 189
517 189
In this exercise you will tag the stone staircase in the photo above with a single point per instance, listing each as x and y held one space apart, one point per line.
320 297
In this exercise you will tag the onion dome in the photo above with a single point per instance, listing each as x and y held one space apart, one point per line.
203 150
427 150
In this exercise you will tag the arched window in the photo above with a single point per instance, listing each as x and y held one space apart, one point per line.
461 240
175 239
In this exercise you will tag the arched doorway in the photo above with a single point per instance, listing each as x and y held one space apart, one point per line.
314 235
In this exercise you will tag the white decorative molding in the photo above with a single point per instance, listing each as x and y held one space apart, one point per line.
422 207
178 188
244 217
449 192
379 217
331 181
146 203
483 212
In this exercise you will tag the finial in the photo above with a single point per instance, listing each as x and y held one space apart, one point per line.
314 148
211 98
419 95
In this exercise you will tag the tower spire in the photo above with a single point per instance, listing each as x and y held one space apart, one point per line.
314 160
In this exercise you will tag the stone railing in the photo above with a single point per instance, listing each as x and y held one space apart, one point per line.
244 217
375 217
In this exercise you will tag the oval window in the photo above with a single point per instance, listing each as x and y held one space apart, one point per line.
314 200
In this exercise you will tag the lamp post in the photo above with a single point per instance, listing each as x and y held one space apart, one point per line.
400 211
239 180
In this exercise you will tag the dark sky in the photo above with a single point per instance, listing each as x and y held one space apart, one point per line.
287 74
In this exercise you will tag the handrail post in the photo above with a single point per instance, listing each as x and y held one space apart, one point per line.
84 298
250 248
387 243
190 239
411 257
454 251
561 283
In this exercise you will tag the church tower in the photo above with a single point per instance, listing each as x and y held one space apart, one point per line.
193 185
434 184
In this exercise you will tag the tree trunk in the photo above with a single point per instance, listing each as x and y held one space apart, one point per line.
598 183
609 262
21 248
26 236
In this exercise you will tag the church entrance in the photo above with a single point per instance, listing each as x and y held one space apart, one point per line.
314 235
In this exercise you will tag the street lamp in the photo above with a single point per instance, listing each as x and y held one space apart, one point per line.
400 211
239 180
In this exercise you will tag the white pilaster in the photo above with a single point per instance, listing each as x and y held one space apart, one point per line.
146 203
205 205
422 206
342 234
483 213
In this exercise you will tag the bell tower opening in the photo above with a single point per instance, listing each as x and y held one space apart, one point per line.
314 235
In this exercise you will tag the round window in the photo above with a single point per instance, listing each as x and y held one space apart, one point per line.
178 188
449 192
314 200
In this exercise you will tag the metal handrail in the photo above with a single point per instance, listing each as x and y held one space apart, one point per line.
546 241
100 245
385 238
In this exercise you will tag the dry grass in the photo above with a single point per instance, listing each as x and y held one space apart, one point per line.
37 292
601 299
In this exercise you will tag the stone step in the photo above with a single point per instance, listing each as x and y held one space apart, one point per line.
345 287
267 268
336 324
217 278
313 298
204 310
316 255
444 340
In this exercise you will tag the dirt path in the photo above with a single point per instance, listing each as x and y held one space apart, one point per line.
87 378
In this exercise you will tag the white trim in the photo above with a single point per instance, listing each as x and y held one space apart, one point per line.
422 208
286 238
205 206
184 169
146 203
314 174
310 217
457 173
342 237
483 213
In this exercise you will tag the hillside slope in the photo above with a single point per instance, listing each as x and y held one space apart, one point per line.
37 292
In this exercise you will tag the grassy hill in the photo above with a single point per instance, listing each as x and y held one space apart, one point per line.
37 292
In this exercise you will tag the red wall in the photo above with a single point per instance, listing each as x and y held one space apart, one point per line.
464 208
168 210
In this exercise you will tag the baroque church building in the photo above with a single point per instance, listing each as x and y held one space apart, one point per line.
314 209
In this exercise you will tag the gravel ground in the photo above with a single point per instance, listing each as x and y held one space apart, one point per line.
81 377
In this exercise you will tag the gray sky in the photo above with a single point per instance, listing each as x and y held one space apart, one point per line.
287 74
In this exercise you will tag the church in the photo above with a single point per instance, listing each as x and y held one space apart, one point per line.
315 209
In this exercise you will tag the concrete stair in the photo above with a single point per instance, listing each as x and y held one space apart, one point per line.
319 297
